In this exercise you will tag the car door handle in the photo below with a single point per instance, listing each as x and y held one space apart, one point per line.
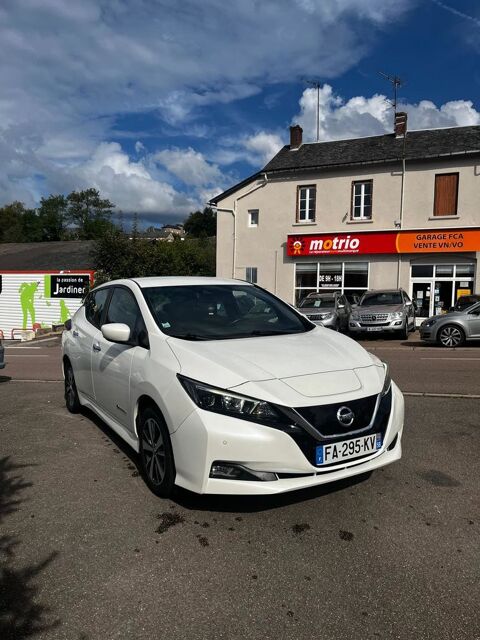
97 347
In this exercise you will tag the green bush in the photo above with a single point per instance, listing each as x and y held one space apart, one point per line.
117 256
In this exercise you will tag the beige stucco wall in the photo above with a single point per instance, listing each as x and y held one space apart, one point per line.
264 246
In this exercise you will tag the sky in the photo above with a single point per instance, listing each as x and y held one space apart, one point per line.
161 104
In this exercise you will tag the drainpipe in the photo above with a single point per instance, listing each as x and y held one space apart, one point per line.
234 214
402 197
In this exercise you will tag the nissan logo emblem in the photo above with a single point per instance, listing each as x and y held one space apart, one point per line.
345 416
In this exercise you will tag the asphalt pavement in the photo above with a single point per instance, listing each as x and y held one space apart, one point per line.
89 553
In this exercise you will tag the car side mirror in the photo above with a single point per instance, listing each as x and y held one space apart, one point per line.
116 332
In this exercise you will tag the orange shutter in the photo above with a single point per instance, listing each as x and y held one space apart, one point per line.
446 191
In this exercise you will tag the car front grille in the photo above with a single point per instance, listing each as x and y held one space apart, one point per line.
308 444
377 324
374 317
316 316
324 417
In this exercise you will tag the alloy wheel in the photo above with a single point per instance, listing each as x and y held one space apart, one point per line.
451 337
69 387
154 451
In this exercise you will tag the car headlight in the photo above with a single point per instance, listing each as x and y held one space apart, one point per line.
327 316
429 323
354 315
235 405
387 382
396 315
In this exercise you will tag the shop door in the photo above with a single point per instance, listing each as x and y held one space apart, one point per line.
422 296
442 297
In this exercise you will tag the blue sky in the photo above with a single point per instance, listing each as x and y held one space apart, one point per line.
160 104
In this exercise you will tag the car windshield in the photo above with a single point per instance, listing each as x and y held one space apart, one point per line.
383 297
325 303
220 312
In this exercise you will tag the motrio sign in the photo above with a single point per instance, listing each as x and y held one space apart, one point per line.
422 241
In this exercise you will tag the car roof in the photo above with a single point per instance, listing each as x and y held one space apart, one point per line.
175 281
383 291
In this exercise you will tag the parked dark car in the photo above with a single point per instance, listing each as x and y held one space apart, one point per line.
330 310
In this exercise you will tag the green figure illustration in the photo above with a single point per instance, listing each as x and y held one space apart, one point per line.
64 312
27 293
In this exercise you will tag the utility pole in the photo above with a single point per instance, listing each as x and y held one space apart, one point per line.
316 84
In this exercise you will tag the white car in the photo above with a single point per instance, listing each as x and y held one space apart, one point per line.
223 388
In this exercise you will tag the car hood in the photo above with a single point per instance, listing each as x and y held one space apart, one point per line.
229 363
380 308
443 316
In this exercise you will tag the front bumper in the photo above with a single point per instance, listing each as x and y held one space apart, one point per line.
205 438
391 326
428 334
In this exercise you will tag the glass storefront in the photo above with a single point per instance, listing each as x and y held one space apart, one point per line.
436 288
351 278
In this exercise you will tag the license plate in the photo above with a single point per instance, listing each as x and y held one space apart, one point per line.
374 328
348 449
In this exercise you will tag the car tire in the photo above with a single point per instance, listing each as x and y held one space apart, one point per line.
404 332
72 401
156 454
451 336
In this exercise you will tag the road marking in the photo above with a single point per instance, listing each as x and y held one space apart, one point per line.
28 355
447 358
426 394
23 347
26 380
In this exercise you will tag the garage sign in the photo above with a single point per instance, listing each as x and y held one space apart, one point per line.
428 241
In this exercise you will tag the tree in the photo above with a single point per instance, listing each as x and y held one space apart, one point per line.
89 214
12 227
52 215
201 224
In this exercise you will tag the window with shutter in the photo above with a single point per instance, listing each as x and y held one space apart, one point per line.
446 194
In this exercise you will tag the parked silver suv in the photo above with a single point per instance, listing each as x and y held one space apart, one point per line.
389 310
452 329
327 309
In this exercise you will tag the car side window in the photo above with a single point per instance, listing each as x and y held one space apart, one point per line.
94 306
124 308
407 299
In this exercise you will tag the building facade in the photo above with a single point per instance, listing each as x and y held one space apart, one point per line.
398 210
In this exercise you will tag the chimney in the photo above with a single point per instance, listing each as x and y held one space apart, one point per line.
400 128
295 136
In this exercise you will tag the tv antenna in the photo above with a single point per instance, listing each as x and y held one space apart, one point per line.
316 84
396 82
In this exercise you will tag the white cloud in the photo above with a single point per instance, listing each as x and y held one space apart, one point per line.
256 149
263 146
365 116
130 185
189 166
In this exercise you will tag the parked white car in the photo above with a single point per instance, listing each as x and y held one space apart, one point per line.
223 388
